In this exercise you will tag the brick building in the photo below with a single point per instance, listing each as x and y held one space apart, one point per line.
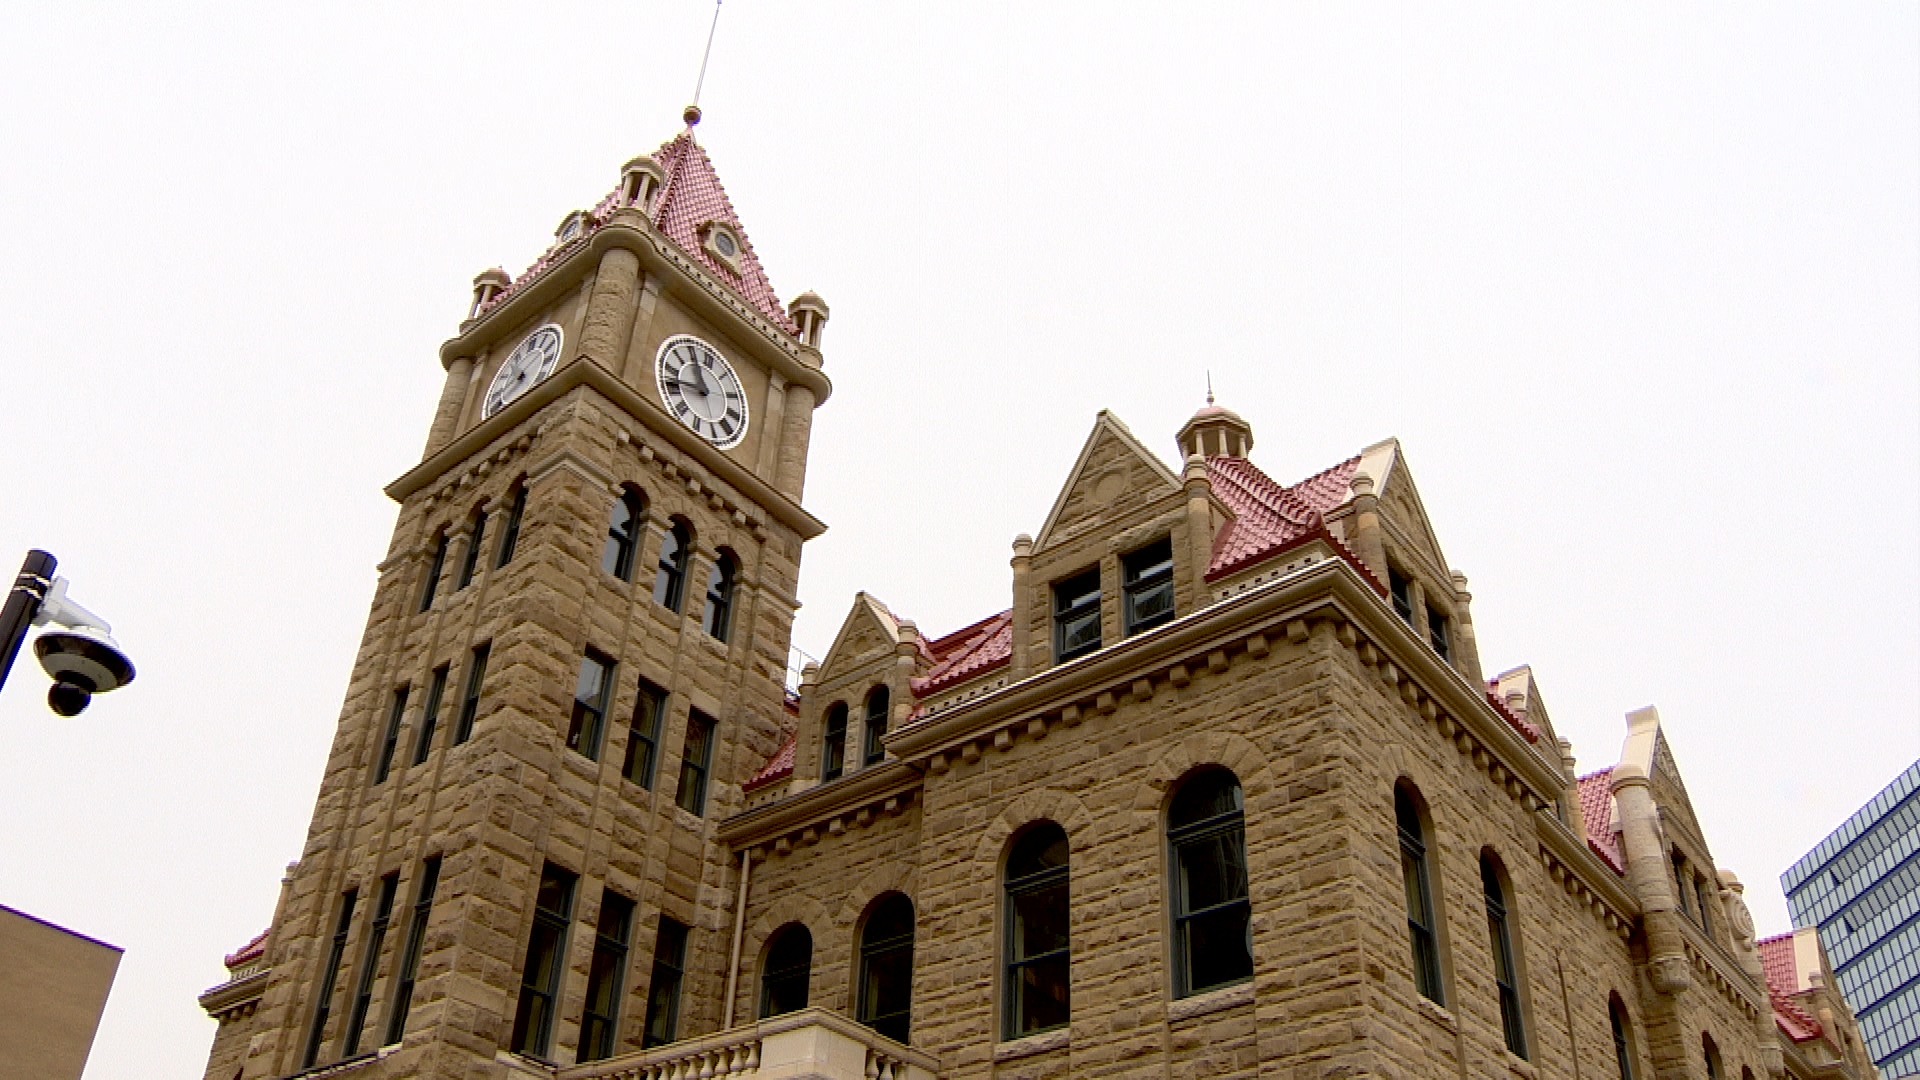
1220 790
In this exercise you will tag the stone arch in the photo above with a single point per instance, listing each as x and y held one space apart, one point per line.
892 877
1218 748
1051 804
828 941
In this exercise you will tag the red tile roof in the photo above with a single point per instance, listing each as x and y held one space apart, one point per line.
1783 981
779 766
1520 723
1267 517
252 950
967 652
1596 814
691 198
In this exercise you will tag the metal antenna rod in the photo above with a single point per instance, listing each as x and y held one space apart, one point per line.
702 81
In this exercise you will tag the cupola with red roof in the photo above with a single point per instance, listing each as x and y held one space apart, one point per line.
1215 431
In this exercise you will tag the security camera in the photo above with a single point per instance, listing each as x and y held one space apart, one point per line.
83 658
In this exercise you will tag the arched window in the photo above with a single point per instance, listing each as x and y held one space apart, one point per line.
670 583
886 967
719 615
784 976
877 702
1419 887
510 529
1711 1051
1036 986
623 536
1506 979
1212 928
1622 1036
833 748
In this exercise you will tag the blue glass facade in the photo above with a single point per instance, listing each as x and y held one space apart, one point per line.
1861 887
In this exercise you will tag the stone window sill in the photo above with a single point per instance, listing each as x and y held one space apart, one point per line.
1521 1068
1211 1002
1033 1044
1438 1015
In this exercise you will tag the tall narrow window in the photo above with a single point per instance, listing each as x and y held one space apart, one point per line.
623 536
789 967
663 990
1506 981
1148 585
590 693
1402 591
1440 632
1622 1042
643 735
395 713
470 701
510 533
1076 616
438 563
410 954
323 1006
878 702
833 749
1701 893
1682 882
1036 982
1715 1070
602 1009
429 716
719 615
1212 925
669 583
1420 923
376 937
886 968
694 755
546 951
470 562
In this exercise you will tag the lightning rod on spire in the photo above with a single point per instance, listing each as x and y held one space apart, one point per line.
692 113
1209 386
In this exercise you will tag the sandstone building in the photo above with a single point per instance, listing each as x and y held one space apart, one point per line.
1220 790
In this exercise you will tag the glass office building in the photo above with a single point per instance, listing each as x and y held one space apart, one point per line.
1861 887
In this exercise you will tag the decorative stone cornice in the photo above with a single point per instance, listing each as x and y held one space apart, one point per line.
857 799
236 998
1594 884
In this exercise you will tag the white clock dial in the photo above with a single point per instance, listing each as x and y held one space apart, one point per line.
531 360
699 388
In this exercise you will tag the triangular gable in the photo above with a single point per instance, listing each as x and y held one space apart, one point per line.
1671 793
693 197
1112 466
869 627
1400 498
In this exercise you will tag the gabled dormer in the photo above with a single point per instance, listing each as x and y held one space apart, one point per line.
853 697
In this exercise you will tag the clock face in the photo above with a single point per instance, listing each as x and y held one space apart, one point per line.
531 361
700 389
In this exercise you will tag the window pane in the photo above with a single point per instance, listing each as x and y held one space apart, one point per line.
1149 606
1219 947
1043 1001
789 965
644 735
1213 870
1204 797
1043 848
1039 921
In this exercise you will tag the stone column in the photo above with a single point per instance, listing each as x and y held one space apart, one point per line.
609 322
1466 647
1023 660
906 660
794 433
1199 552
453 401
772 421
1570 813
1740 928
1367 542
639 366
1647 873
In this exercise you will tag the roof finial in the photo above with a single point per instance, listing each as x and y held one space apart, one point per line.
692 112
1209 386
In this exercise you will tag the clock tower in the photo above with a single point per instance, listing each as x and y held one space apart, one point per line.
575 658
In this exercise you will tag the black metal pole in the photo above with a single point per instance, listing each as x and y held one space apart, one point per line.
23 603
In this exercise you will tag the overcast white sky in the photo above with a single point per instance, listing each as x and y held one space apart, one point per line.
1638 289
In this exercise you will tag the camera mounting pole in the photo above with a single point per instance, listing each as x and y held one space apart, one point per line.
23 603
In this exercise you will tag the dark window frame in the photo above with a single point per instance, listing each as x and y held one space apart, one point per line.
1073 606
410 953
1019 971
643 735
780 985
833 748
1622 1036
588 720
1423 932
470 697
879 705
434 568
430 716
510 534
1400 589
1440 634
390 743
626 524
323 1002
696 760
663 988
1506 975
717 618
1220 834
893 1019
600 1011
1146 575
670 579
470 562
534 1014
370 964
